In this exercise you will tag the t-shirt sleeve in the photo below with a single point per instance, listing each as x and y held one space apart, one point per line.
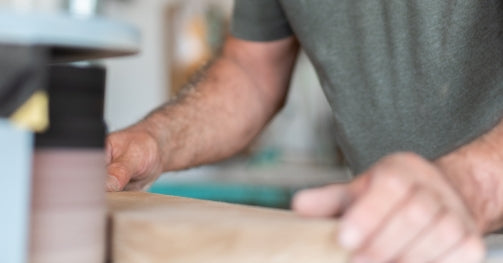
259 20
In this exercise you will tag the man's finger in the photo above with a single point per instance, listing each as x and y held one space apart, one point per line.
471 250
385 194
444 235
331 200
322 202
405 225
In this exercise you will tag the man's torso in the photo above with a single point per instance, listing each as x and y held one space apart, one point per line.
418 75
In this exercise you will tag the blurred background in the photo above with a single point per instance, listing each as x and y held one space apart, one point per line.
297 149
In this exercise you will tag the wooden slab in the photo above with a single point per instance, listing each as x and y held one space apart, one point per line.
156 228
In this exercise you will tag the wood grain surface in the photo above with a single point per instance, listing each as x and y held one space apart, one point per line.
157 228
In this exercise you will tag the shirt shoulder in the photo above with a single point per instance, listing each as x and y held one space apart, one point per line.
259 20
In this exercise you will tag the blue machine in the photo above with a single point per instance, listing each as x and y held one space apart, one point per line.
29 41
15 161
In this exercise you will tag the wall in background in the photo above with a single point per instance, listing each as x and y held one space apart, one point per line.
137 84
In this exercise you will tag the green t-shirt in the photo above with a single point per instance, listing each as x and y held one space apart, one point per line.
400 75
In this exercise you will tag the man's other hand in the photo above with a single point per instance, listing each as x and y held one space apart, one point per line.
133 159
403 209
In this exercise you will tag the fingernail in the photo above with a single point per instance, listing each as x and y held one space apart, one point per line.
349 237
112 184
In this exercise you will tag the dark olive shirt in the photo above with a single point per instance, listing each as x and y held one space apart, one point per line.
400 75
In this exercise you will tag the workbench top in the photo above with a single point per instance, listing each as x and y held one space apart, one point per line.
158 228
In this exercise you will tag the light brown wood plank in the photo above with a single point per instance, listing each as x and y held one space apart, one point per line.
156 228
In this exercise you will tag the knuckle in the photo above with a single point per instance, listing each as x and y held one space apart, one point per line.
407 162
147 145
417 212
452 227
391 176
422 208
360 218
394 182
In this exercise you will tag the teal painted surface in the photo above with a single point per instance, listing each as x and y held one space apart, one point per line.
267 196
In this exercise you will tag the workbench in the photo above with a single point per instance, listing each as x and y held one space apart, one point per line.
157 228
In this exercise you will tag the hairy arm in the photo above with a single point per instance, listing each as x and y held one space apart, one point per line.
212 119
476 170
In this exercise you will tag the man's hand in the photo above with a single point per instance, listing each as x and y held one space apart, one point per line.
404 209
133 159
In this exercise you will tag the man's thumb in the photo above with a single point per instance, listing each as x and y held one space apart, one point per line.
119 175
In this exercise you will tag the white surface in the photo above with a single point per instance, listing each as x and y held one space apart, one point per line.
15 164
83 7
137 84
78 37
31 5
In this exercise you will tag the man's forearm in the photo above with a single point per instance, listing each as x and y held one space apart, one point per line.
476 170
210 121
221 113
